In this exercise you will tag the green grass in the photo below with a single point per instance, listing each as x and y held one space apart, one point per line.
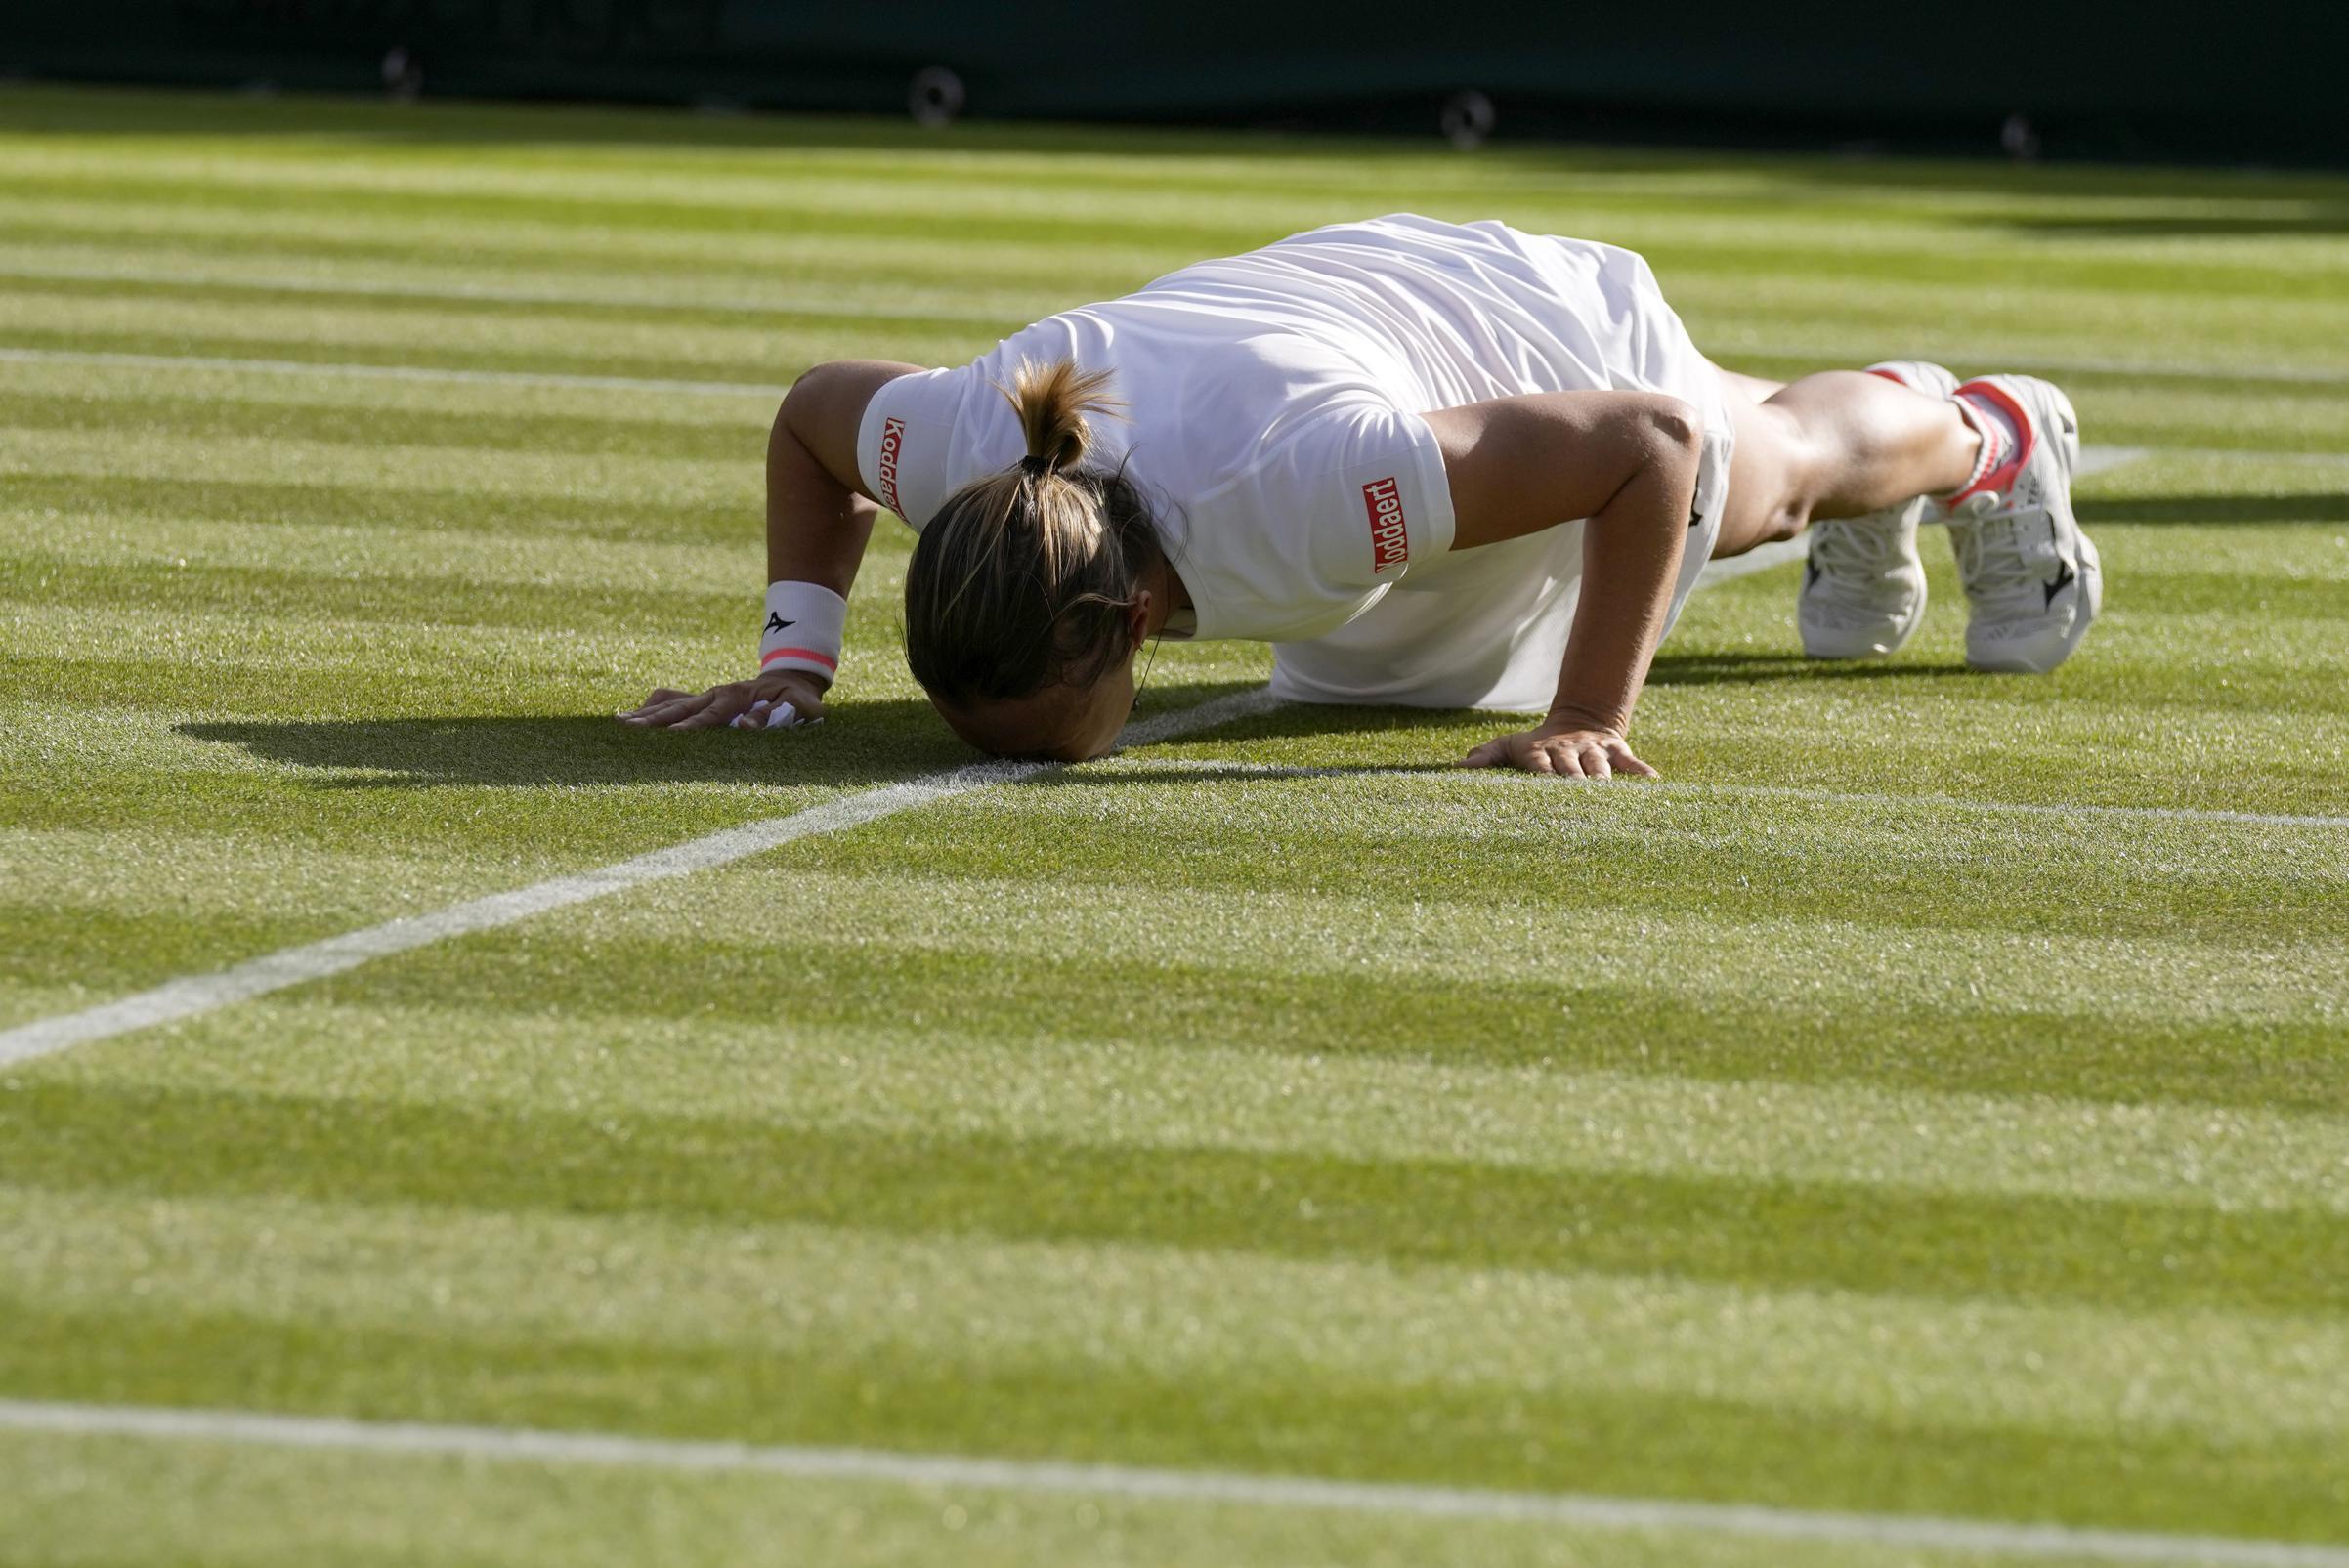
1805 1130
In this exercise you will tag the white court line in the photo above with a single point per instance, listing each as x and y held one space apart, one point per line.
1128 1483
1760 558
191 994
2009 808
1211 766
837 310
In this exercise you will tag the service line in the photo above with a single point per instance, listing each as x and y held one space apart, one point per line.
1206 767
1128 1483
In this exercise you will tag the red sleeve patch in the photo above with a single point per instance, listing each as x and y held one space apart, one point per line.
1390 534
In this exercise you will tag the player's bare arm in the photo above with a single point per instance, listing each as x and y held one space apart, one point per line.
1624 461
819 522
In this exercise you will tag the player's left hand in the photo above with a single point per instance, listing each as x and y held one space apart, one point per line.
1568 751
671 710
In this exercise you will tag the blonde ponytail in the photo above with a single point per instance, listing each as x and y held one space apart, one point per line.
1051 402
1021 579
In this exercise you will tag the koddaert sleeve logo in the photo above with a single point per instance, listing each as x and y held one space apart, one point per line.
1390 536
893 440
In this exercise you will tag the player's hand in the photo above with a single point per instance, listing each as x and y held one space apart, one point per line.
668 709
1567 751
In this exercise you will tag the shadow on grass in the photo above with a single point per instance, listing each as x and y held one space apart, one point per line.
871 742
868 743
863 742
2329 507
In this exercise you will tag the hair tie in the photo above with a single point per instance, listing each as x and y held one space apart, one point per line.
1036 466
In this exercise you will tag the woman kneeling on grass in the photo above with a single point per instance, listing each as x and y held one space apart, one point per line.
1394 449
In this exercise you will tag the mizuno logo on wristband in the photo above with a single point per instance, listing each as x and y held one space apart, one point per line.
807 638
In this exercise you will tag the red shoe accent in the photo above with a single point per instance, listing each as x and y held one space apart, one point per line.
2027 439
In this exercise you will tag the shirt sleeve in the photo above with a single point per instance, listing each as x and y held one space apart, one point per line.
905 445
1338 508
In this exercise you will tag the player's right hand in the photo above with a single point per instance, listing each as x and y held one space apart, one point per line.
1563 748
667 709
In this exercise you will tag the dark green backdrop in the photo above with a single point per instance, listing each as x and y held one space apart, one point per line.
2253 79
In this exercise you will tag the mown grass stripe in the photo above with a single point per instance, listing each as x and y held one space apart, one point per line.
2225 1378
1131 1088
389 372
1128 1482
1061 1408
120 1148
2102 456
359 289
1639 1024
650 300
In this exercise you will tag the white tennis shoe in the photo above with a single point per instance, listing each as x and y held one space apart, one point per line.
1863 585
2032 576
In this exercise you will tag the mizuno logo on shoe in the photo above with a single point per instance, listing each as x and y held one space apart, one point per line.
2062 579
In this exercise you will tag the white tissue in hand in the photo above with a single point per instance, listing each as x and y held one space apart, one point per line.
765 715
788 717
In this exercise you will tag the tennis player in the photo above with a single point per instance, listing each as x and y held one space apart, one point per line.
1434 464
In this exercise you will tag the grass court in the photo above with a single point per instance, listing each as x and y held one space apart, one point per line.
1929 1101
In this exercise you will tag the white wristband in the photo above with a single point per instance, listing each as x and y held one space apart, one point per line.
805 626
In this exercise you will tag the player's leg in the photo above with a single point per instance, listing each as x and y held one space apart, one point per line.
1863 590
1994 458
1843 443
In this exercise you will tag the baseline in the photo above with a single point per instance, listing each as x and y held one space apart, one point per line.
1908 1531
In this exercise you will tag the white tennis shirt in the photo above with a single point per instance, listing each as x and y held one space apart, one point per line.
1273 402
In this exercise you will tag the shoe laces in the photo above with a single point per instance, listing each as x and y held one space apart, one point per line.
1858 548
1994 564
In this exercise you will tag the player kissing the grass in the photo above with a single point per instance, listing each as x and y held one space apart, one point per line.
1433 464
